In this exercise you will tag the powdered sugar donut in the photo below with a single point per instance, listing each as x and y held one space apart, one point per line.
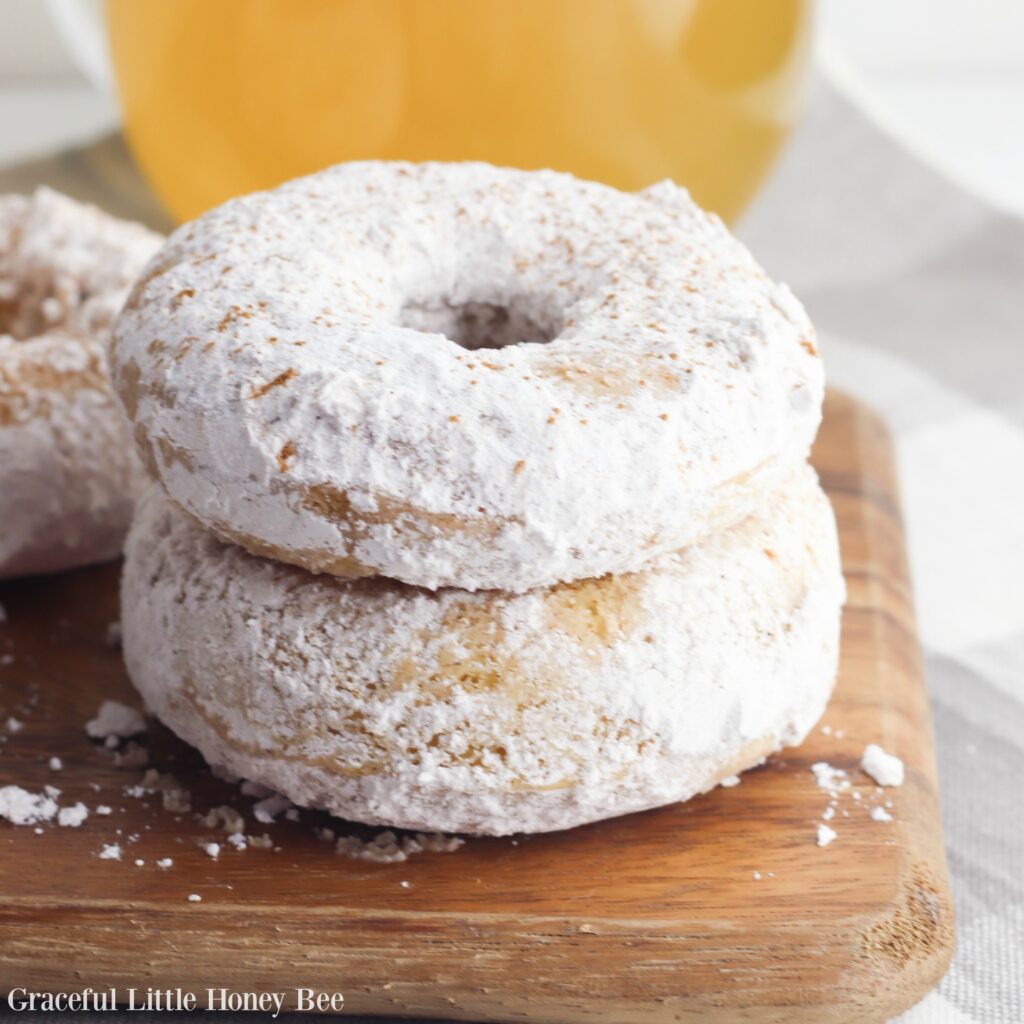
489 712
459 375
68 473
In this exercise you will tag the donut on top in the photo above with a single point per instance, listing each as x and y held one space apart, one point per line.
462 375
489 712
68 471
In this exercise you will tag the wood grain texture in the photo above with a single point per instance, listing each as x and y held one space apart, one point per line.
102 173
654 917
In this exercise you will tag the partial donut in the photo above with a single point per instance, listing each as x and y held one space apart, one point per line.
68 472
460 375
489 712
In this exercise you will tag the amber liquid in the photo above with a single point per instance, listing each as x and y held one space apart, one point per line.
222 97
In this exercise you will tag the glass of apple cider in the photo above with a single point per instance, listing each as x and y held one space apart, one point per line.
222 97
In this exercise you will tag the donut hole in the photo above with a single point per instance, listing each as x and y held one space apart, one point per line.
475 325
34 303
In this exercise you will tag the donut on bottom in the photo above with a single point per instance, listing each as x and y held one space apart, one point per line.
487 712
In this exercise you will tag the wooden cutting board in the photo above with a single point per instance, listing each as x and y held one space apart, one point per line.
659 916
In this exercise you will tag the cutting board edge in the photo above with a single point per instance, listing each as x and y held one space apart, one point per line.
892 975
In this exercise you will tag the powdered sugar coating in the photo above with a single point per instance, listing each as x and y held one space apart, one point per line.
68 474
287 361
489 712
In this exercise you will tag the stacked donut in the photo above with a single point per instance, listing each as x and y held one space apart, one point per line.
481 498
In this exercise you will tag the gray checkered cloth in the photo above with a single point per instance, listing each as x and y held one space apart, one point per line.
916 291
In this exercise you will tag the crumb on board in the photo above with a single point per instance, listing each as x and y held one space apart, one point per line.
388 848
173 795
833 780
20 807
270 807
115 720
114 724
223 816
72 817
825 835
886 769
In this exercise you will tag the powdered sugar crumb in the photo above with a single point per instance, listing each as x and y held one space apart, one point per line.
72 817
825 835
173 795
833 780
269 808
224 817
886 769
20 807
117 720
387 848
